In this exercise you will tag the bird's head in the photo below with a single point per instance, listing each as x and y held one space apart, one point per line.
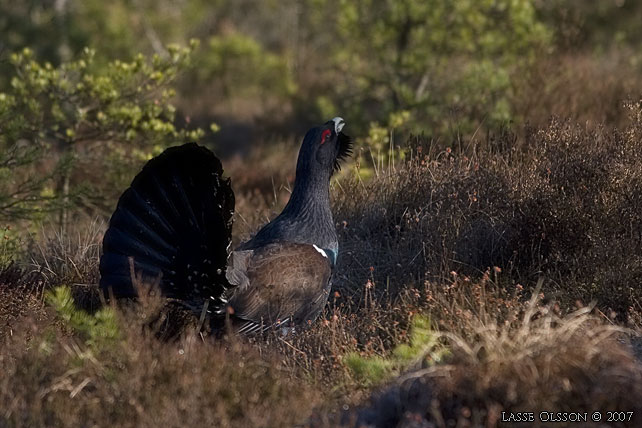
324 147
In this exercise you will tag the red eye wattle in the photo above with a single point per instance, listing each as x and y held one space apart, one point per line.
325 135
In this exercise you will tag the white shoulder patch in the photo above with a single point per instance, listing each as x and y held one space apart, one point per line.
320 251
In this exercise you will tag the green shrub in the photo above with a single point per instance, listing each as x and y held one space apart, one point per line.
449 64
72 134
248 77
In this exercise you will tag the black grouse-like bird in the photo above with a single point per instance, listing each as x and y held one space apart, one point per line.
173 227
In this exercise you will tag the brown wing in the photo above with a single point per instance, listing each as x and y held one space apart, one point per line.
287 281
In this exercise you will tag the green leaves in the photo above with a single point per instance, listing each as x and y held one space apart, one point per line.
424 348
368 371
424 344
98 330
426 57
86 112
242 69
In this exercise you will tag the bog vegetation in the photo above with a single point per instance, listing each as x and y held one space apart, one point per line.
490 222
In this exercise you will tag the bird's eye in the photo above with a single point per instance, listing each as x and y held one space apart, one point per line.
325 136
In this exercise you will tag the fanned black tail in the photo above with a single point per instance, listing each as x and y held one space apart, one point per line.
174 223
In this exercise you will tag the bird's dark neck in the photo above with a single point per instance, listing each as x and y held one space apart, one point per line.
310 199
306 218
309 208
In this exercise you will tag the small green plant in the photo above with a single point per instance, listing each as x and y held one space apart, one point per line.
423 347
368 370
379 146
98 330
424 344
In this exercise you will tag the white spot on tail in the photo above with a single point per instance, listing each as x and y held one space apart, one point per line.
285 331
320 251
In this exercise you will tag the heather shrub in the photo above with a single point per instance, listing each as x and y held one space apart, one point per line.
435 311
79 375
560 204
534 361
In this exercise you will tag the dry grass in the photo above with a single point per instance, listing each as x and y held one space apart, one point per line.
262 191
461 236
536 360
586 87
55 379
71 259
549 205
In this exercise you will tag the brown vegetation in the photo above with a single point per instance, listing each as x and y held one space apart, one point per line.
459 235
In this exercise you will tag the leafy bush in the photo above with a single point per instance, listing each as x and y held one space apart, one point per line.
249 79
84 128
448 63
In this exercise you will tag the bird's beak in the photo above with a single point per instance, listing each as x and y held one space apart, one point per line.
339 123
